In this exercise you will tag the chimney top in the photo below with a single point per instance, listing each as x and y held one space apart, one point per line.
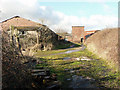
78 26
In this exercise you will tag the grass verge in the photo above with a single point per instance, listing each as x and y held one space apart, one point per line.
96 68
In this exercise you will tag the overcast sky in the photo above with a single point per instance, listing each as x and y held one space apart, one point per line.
93 14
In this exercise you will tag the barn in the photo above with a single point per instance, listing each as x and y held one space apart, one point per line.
28 33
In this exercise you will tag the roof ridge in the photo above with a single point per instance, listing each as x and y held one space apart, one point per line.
11 18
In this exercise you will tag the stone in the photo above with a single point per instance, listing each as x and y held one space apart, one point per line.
81 82
39 70
67 58
77 59
39 74
47 77
54 84
68 79
85 58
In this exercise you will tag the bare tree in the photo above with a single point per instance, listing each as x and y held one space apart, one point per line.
42 20
60 29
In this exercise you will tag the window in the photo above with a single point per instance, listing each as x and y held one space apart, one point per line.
22 32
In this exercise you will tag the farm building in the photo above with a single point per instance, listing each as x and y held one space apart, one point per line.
89 33
27 33
18 21
79 34
66 36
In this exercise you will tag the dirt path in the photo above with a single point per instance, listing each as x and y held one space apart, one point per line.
70 51
76 81
78 68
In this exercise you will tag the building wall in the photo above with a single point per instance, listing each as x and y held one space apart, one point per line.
89 33
32 32
77 33
68 38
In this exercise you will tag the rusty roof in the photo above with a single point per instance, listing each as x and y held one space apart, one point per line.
18 22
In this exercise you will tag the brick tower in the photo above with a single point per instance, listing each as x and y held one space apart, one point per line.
77 33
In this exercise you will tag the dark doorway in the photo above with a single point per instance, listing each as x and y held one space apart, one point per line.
81 40
23 32
42 47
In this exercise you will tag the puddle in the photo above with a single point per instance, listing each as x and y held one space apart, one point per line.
68 79
67 52
83 47
81 82
77 59
70 51
71 46
72 71
67 58
86 58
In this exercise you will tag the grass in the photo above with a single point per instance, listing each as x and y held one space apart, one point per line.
97 68
74 54
67 45
47 53
105 45
42 53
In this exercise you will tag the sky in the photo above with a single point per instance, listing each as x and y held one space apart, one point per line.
63 14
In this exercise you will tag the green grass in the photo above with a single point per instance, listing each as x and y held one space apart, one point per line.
48 53
42 53
96 68
74 54
67 45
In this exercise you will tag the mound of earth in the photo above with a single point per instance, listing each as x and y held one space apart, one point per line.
105 44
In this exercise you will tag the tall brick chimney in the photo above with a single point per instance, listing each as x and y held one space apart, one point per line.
77 33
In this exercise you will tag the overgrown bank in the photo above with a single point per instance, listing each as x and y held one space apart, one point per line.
105 45
15 74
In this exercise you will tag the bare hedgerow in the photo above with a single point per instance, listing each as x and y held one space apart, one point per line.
14 74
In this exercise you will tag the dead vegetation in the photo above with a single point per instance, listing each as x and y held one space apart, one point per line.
105 45
14 73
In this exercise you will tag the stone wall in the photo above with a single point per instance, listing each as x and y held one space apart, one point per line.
48 39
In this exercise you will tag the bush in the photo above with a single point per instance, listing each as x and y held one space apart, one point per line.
14 74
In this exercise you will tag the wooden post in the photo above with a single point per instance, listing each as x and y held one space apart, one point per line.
12 34
37 37
38 34
17 37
